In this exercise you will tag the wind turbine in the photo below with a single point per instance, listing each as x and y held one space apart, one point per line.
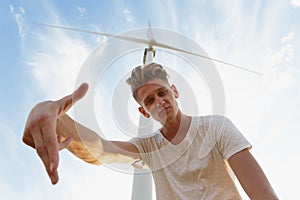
151 42
142 182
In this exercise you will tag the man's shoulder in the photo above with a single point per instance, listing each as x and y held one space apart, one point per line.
211 119
212 124
211 116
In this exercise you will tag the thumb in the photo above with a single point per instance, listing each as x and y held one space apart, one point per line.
68 101
80 92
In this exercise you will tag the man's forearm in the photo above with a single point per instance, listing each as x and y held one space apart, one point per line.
86 144
90 147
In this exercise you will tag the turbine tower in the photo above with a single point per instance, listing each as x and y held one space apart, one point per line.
142 182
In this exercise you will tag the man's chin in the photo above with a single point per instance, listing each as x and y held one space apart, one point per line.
163 119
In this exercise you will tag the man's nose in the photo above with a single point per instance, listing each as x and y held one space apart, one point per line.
160 102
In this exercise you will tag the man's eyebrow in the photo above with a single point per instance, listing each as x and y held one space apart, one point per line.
157 90
161 88
147 98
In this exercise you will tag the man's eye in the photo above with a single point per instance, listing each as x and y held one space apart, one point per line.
162 93
149 101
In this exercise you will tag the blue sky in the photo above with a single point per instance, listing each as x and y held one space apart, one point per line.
39 63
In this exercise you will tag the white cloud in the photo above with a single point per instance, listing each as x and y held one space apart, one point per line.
82 12
99 38
56 62
295 2
128 15
278 69
285 54
19 17
288 37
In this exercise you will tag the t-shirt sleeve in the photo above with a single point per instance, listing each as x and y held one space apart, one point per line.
229 138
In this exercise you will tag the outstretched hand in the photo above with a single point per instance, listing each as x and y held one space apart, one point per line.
40 129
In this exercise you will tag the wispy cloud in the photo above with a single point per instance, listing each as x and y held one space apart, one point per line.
278 68
82 12
99 38
54 66
295 2
128 15
18 14
288 38
55 57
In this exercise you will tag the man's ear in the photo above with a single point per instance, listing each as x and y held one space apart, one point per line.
174 89
144 112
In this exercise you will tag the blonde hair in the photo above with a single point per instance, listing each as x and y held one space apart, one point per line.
141 75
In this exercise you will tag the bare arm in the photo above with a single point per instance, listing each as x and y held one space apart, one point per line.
88 146
251 176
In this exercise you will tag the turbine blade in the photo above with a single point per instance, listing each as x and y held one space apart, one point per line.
131 39
161 45
150 33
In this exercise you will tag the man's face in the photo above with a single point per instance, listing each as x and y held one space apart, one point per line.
158 99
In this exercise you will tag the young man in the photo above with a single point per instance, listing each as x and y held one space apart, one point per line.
189 156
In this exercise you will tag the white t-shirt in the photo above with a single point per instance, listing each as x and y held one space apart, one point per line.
197 167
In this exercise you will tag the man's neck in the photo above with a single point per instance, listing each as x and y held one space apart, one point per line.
175 131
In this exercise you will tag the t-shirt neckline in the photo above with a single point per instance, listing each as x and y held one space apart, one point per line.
186 138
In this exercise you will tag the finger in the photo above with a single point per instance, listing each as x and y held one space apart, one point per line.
80 92
51 149
64 144
67 102
41 150
59 139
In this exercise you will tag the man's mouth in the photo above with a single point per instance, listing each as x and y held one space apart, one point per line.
164 109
